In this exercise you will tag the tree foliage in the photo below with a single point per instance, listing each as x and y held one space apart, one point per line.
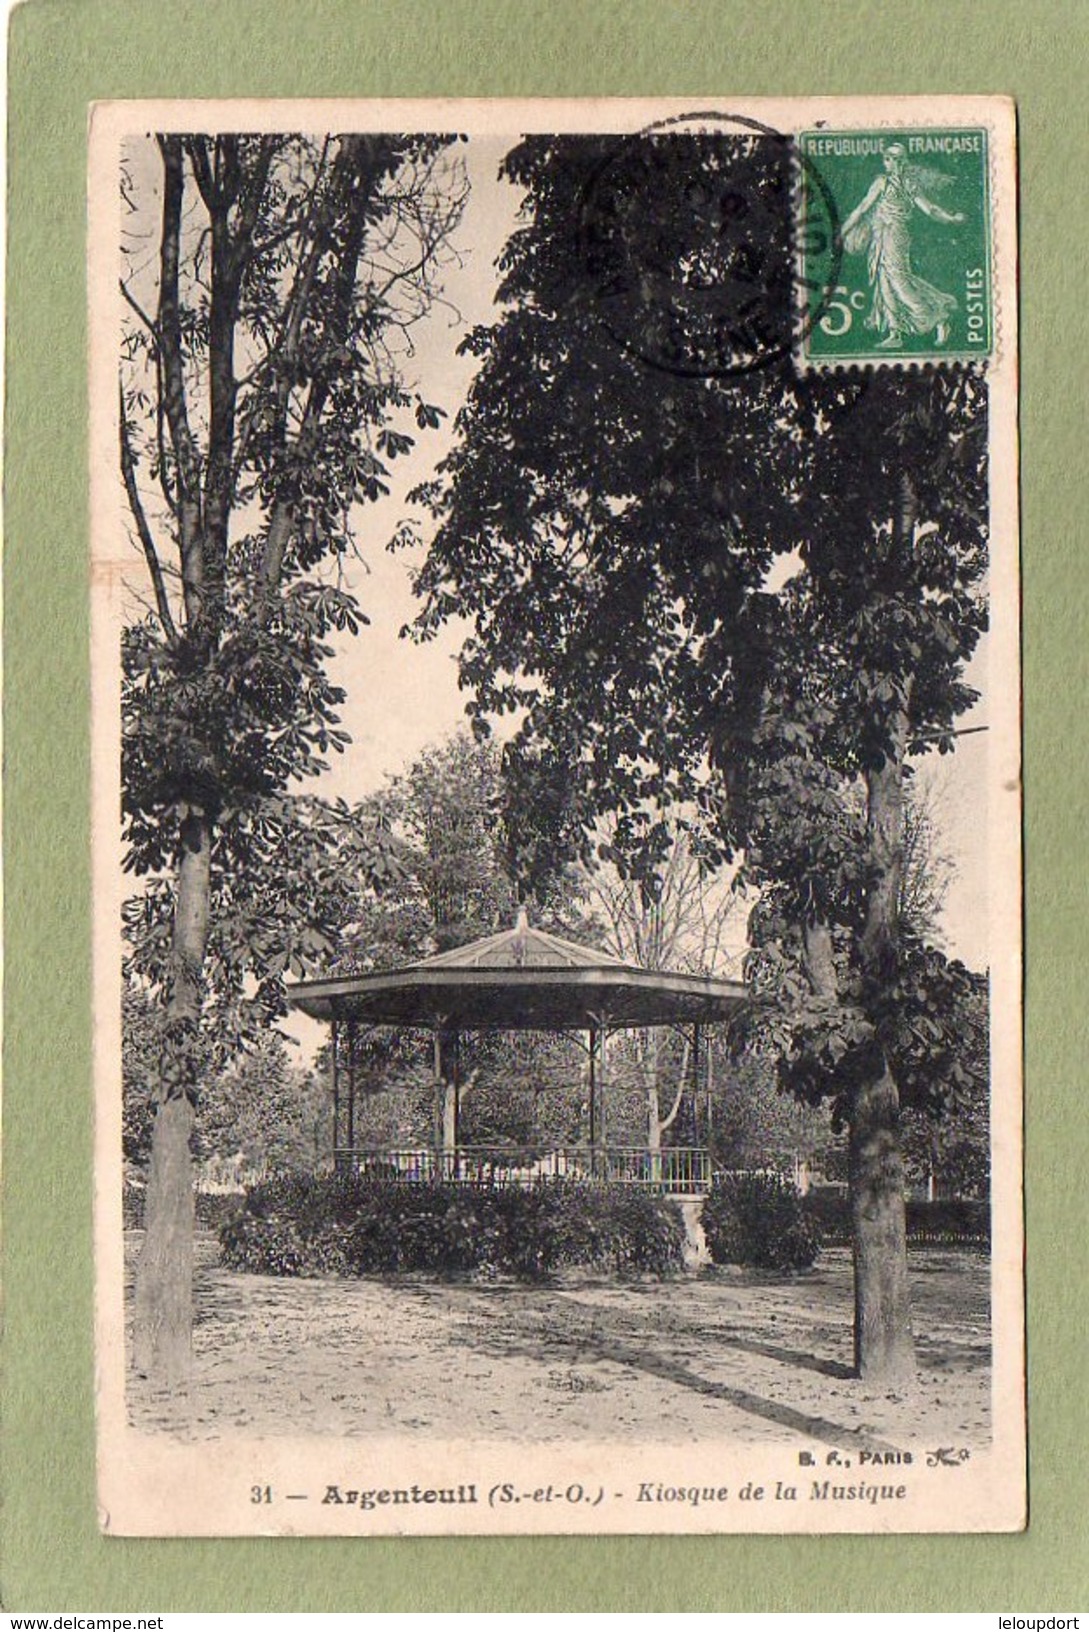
447 817
265 1114
615 546
755 1125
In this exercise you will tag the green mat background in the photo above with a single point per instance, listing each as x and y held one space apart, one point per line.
64 54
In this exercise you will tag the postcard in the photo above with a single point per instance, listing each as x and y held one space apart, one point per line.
556 817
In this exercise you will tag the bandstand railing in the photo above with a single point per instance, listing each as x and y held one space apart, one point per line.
675 1170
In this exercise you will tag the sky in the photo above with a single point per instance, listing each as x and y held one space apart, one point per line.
402 697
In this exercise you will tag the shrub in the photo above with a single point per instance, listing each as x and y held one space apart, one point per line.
361 1225
214 1207
759 1220
614 1228
643 1236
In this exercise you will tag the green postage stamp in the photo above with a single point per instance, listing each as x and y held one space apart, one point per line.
896 249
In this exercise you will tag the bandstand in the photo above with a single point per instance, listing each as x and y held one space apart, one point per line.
523 979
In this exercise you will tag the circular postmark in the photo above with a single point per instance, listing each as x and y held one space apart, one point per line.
689 244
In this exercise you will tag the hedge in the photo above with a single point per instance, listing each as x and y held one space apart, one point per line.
211 1207
942 1223
366 1226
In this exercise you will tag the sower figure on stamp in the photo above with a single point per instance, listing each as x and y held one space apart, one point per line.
880 224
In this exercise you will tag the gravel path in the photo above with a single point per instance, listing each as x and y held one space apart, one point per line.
724 1355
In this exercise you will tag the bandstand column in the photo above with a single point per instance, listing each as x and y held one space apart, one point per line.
450 1095
593 1088
436 1107
457 1092
336 1093
446 1098
695 1161
598 1085
602 1086
353 1033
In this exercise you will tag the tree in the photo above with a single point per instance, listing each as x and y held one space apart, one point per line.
454 885
947 1138
261 1109
759 594
755 1124
262 399
448 816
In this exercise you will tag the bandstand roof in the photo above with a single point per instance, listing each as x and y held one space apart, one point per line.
520 980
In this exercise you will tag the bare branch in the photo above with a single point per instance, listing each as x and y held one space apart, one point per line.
356 164
148 322
151 554
672 1117
171 351
202 170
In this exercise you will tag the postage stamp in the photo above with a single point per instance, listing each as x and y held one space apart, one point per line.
910 266
556 836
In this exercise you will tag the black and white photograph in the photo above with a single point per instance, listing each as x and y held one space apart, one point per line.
557 817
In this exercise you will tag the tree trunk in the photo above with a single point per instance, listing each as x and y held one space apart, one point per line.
657 1124
884 1352
163 1312
654 1110
449 1122
163 1304
654 1120
649 1063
